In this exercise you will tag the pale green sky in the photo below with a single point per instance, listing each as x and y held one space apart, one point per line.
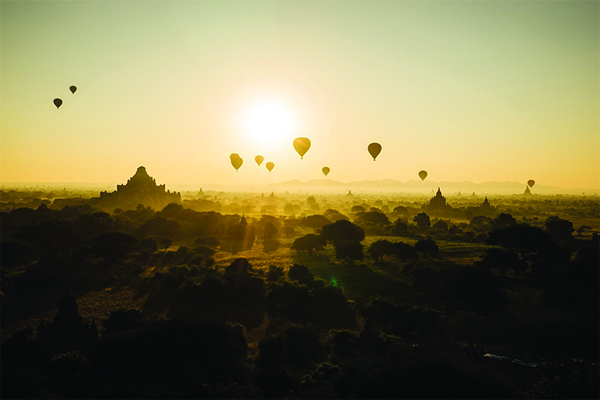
469 91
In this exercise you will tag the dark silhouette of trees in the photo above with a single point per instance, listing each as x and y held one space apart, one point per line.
165 242
114 245
503 260
381 248
309 243
422 220
270 230
334 215
348 250
440 225
358 209
560 229
427 247
341 230
375 218
503 220
315 221
400 228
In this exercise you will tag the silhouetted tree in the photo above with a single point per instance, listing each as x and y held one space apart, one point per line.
400 228
149 244
166 242
560 229
270 230
501 260
503 220
358 209
341 230
440 225
114 245
309 243
427 247
381 248
422 220
301 274
334 215
405 251
315 221
349 250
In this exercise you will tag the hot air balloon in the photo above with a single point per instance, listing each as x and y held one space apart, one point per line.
326 170
422 175
531 182
259 160
301 145
374 150
270 166
57 103
234 155
237 162
73 89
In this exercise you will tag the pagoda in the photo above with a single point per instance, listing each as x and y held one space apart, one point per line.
141 188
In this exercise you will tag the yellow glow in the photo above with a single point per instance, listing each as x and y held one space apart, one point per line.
269 122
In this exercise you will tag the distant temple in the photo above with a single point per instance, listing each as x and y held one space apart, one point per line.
67 331
141 188
527 191
437 204
485 209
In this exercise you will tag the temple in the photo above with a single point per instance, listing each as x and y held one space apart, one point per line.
437 205
527 191
141 188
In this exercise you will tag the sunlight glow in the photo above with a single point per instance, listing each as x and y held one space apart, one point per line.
269 122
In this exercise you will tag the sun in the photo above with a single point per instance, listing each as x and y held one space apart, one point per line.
269 122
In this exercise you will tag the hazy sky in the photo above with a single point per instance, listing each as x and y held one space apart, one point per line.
469 91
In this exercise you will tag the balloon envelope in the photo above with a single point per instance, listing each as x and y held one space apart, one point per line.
531 182
237 162
301 145
57 103
374 150
73 89
326 170
234 155
422 175
270 166
259 160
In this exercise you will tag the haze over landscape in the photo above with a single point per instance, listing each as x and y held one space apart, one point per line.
469 91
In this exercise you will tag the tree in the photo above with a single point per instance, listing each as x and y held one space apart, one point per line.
405 251
342 230
149 244
501 260
400 228
166 242
427 247
315 221
422 220
373 217
503 220
382 248
114 245
358 209
309 243
349 250
560 229
440 225
334 215
301 274
270 230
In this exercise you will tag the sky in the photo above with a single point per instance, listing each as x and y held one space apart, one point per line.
468 91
